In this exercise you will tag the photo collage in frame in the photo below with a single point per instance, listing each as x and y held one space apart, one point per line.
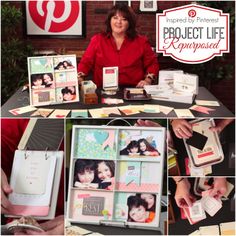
113 175
53 79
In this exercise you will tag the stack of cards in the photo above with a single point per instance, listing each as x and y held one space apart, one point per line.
35 182
197 213
227 228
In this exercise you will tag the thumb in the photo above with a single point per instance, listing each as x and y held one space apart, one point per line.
188 201
4 183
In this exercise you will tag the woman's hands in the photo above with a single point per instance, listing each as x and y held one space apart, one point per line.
182 128
6 205
183 197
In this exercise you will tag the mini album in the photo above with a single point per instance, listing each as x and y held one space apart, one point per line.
35 180
52 80
116 175
204 147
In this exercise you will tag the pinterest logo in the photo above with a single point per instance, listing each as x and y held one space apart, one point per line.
54 16
192 13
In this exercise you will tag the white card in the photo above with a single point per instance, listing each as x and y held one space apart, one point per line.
228 228
32 176
207 103
196 232
184 113
39 192
110 77
209 230
230 187
22 110
187 83
196 211
211 205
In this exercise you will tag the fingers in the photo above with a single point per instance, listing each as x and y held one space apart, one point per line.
142 83
182 128
4 183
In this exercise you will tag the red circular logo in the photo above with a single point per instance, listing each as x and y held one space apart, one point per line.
54 16
192 13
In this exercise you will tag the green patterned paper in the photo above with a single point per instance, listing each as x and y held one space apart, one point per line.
95 144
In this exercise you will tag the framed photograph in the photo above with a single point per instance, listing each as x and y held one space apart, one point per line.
148 6
52 80
108 180
55 18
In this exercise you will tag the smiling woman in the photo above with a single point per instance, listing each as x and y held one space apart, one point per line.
121 46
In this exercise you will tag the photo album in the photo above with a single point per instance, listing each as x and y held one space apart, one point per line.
53 80
116 175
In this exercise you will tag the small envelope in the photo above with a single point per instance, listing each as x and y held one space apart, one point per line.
211 205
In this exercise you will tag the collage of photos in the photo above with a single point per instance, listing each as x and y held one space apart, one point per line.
53 79
116 182
118 117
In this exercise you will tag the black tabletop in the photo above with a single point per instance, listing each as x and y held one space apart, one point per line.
20 99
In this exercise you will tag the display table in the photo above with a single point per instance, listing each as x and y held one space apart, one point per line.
20 99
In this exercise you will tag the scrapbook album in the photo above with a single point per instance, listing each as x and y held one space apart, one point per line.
52 80
116 175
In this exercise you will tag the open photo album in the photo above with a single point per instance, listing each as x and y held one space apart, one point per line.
116 175
52 80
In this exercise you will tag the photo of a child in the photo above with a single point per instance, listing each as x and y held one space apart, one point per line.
138 210
150 199
48 80
105 173
37 81
63 65
84 174
132 149
68 93
94 174
141 147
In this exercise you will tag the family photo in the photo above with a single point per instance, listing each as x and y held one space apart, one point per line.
94 174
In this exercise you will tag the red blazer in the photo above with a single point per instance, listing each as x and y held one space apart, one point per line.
135 59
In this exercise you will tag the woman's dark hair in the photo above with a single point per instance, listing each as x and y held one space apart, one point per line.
128 14
110 164
66 90
135 201
133 144
36 77
149 147
153 208
84 165
59 65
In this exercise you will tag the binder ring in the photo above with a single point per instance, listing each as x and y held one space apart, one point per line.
118 119
46 153
26 156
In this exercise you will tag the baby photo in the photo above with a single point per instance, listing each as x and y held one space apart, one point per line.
135 143
94 174
64 63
